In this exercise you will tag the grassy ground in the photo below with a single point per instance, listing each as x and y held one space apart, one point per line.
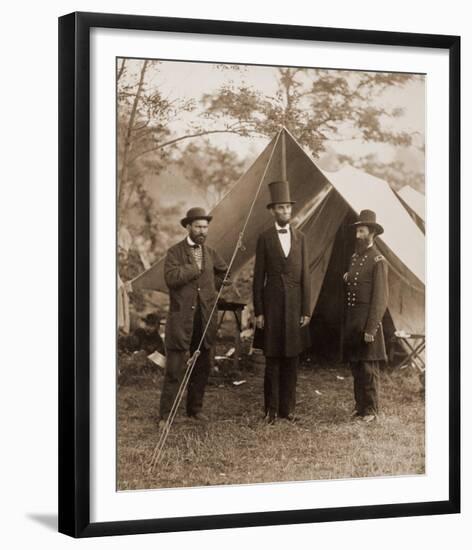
237 447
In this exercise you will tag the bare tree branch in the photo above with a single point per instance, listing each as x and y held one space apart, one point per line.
181 138
127 148
121 70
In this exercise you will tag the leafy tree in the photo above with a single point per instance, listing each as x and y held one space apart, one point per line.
211 169
143 114
145 141
315 105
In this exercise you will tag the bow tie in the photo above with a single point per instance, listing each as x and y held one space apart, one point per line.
282 230
195 245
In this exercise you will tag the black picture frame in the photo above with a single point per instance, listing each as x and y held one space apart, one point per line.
74 269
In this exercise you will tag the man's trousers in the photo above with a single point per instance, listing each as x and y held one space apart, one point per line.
280 381
366 386
176 366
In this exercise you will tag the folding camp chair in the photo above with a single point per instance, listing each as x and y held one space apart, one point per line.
414 345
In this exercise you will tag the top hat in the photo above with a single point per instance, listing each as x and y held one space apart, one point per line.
193 214
279 193
369 219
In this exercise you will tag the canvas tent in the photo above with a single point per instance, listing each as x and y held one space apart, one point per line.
415 203
414 199
326 204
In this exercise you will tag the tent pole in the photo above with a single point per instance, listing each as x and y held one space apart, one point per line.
284 158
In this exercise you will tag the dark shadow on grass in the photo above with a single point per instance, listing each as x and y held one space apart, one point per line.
47 520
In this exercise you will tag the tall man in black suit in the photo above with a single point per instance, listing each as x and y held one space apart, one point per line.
193 272
281 303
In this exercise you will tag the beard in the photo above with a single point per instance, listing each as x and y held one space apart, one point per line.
361 245
198 239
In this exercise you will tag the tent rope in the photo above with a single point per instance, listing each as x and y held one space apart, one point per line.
157 452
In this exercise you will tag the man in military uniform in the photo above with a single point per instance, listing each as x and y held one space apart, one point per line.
193 273
366 290
281 303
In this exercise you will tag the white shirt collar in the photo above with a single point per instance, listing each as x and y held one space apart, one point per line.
189 241
277 226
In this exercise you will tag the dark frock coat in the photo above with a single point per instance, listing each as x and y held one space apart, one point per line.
191 290
282 292
366 300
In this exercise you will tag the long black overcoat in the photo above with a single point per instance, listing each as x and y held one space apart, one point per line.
189 287
366 300
281 292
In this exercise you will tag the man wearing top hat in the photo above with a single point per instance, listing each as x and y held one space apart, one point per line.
366 299
281 291
193 273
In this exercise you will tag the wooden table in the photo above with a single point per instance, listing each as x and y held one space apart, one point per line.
236 308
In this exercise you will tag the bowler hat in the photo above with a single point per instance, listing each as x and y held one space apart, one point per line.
193 214
279 193
369 219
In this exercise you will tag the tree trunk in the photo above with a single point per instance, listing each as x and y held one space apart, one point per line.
120 70
123 175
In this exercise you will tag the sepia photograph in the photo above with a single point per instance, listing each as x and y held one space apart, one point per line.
270 265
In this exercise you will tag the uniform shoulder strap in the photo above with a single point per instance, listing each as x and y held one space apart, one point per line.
379 258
